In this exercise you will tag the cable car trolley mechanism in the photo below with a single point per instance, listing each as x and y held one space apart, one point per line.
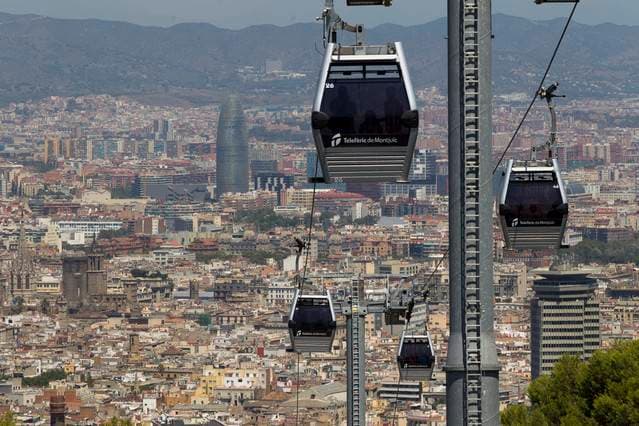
312 323
365 119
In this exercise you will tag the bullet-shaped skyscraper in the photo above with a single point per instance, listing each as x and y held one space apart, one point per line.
232 149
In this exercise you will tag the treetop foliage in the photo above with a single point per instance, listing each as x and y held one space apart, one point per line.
601 391
589 251
44 379
115 421
7 419
265 219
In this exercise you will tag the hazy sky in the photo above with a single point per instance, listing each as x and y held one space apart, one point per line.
241 13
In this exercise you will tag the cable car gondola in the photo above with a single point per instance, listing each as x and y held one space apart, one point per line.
533 207
415 357
312 323
399 306
365 117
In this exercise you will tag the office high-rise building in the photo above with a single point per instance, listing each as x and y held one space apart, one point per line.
274 182
311 159
564 319
162 129
5 186
232 149
259 167
313 167
52 149
424 167
422 177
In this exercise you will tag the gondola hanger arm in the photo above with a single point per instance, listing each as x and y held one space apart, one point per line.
333 22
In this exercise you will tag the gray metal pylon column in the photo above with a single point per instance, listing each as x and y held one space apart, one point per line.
489 361
454 364
472 369
356 361
471 244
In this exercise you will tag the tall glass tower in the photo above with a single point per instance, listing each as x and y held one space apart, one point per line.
232 173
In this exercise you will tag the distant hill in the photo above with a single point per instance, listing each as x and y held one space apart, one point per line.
42 56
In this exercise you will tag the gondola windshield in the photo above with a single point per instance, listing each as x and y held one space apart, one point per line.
365 103
533 199
313 317
416 353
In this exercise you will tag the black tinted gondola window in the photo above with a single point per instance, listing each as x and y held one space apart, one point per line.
313 315
417 354
365 100
534 196
382 71
346 72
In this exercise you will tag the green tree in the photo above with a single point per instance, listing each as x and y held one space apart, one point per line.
264 219
7 419
601 391
589 251
209 256
43 380
107 234
115 421
204 320
368 220
39 166
260 257
17 305
517 415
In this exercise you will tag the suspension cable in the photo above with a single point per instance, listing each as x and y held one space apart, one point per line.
297 392
437 266
409 314
441 261
408 318
310 227
541 85
305 248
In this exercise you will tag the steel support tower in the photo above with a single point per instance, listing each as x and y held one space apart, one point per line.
356 362
472 370
355 308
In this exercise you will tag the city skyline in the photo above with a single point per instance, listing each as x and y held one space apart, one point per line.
165 259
